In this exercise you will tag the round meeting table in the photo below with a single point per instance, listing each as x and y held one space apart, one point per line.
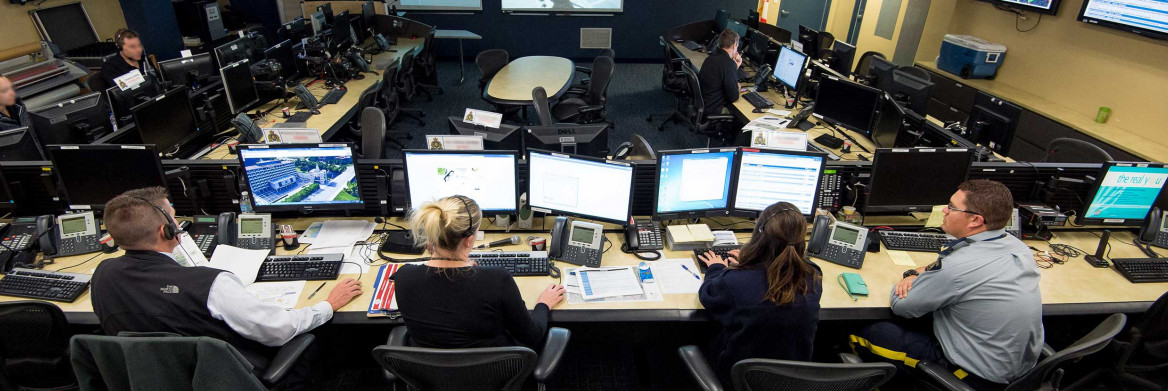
512 85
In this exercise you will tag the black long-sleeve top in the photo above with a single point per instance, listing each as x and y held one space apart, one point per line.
469 307
719 81
753 327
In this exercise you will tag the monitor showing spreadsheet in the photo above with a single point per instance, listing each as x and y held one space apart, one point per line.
574 185
488 177
765 177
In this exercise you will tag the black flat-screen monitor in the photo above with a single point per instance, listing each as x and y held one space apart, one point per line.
789 67
121 101
847 104
239 87
296 30
912 90
993 122
880 71
77 120
282 54
915 179
20 144
721 18
757 51
586 140
504 138
189 71
572 185
233 51
327 10
809 38
843 54
1049 7
1143 17
1124 193
368 17
488 177
341 38
766 176
91 175
167 121
301 177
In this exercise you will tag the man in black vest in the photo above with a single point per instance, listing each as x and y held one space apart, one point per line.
146 290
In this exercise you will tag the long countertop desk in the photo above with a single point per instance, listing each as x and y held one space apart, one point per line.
334 116
1074 287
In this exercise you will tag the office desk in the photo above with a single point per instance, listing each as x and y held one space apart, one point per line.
513 84
332 117
1074 287
460 35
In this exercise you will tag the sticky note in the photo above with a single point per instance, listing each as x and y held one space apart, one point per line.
901 258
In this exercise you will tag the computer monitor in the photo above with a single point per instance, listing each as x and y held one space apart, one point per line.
7 200
586 140
77 120
889 123
301 177
296 29
846 104
1125 192
121 101
915 179
282 54
721 18
757 50
580 186
188 71
368 15
327 10
20 144
167 121
789 67
91 175
693 183
341 31
912 90
233 51
504 138
809 38
843 54
488 177
993 122
880 72
318 22
751 18
766 176
239 86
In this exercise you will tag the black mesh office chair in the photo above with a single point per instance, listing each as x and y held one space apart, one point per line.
426 66
367 99
1070 150
765 374
826 39
865 63
407 83
373 134
34 347
587 71
1140 356
693 113
389 100
500 368
589 107
539 102
490 61
1048 373
672 80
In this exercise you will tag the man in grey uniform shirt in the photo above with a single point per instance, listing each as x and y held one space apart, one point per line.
982 293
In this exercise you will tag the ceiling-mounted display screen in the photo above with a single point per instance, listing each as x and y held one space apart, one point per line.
440 5
564 6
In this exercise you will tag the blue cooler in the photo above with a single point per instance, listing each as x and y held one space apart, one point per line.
970 57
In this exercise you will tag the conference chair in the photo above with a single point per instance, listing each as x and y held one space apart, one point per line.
767 374
499 368
373 134
826 39
426 66
539 102
672 79
34 347
1070 150
588 106
1140 356
490 61
159 361
862 67
367 99
637 148
389 100
1046 375
587 71
407 84
693 112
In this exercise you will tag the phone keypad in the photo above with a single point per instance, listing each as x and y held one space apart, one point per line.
829 194
16 242
78 245
206 243
583 256
1161 239
844 256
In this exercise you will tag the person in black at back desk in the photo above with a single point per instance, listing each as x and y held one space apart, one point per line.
719 75
13 114
451 302
130 56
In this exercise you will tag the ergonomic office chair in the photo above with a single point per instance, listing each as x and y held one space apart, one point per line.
767 374
407 84
106 363
1140 356
34 347
367 99
587 71
490 61
826 39
539 102
672 80
426 66
1070 150
373 134
389 100
865 63
694 110
587 106
499 368
1046 375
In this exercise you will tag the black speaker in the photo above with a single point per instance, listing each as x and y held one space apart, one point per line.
397 189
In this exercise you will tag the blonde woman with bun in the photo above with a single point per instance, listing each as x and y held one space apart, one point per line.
450 301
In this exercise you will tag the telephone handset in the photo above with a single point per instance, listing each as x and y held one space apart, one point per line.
246 231
381 42
581 244
1155 229
643 235
75 234
842 243
46 240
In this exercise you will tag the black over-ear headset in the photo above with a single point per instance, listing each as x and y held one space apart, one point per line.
118 38
170 230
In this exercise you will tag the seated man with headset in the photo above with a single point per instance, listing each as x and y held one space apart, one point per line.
130 56
148 290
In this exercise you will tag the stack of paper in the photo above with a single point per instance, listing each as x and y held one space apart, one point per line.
245 264
688 237
284 293
676 276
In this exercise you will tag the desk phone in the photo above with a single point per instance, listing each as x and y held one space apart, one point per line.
644 235
1155 229
204 231
581 244
246 231
840 243
77 233
830 197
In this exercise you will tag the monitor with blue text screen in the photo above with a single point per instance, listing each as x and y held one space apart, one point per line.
1126 192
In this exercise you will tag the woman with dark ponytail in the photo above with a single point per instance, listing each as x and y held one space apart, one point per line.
767 297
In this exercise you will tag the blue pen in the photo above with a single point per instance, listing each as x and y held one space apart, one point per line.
690 272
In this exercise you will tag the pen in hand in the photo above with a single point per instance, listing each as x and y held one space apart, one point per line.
310 295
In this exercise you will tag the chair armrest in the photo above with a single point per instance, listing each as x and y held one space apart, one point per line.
699 368
848 358
286 358
397 337
585 70
1047 351
719 118
590 109
942 377
551 354
679 60
575 91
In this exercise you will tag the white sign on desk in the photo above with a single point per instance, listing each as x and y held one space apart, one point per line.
292 136
130 81
455 143
777 139
483 118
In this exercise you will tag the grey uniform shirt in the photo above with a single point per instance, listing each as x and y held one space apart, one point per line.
986 305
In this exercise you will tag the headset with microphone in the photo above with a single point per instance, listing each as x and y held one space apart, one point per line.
170 231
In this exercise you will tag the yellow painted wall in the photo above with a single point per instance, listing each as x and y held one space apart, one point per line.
1076 65
867 41
937 24
18 28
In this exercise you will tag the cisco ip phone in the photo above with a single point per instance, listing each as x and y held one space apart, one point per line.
74 234
840 243
580 244
246 231
1155 229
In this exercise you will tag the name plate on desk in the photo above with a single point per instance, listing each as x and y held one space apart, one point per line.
292 136
455 143
483 118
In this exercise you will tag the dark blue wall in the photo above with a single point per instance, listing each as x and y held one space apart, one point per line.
634 32
156 24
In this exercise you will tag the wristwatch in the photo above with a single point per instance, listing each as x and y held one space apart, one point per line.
911 272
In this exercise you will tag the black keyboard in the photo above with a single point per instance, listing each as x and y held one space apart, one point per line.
691 45
1142 269
300 116
44 285
927 242
758 101
522 263
333 96
722 251
300 267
